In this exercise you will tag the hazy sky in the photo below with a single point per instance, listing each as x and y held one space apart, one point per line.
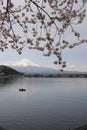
76 58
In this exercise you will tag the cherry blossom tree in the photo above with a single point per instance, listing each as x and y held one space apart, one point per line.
41 25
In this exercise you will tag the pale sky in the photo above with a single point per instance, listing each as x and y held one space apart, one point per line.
76 57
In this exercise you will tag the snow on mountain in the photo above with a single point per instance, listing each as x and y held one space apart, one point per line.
24 63
28 67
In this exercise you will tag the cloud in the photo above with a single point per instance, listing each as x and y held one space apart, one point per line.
23 62
76 68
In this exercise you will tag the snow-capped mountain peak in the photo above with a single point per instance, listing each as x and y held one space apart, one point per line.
25 62
20 63
29 67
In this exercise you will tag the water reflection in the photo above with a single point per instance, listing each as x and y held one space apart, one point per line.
2 128
47 104
82 128
6 81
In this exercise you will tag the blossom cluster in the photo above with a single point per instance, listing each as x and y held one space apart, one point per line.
40 25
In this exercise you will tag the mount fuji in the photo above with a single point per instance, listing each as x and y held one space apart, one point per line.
28 67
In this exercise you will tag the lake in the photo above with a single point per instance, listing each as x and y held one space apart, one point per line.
47 103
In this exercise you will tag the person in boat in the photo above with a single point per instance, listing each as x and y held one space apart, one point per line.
22 89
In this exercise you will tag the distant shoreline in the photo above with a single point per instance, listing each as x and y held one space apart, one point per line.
8 72
45 76
57 76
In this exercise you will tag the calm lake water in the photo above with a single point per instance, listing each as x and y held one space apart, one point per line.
47 104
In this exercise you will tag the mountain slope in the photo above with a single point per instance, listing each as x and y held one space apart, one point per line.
5 70
35 70
42 70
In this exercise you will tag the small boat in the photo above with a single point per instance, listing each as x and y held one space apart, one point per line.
22 89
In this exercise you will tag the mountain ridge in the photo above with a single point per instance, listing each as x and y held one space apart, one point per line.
35 70
7 72
42 70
